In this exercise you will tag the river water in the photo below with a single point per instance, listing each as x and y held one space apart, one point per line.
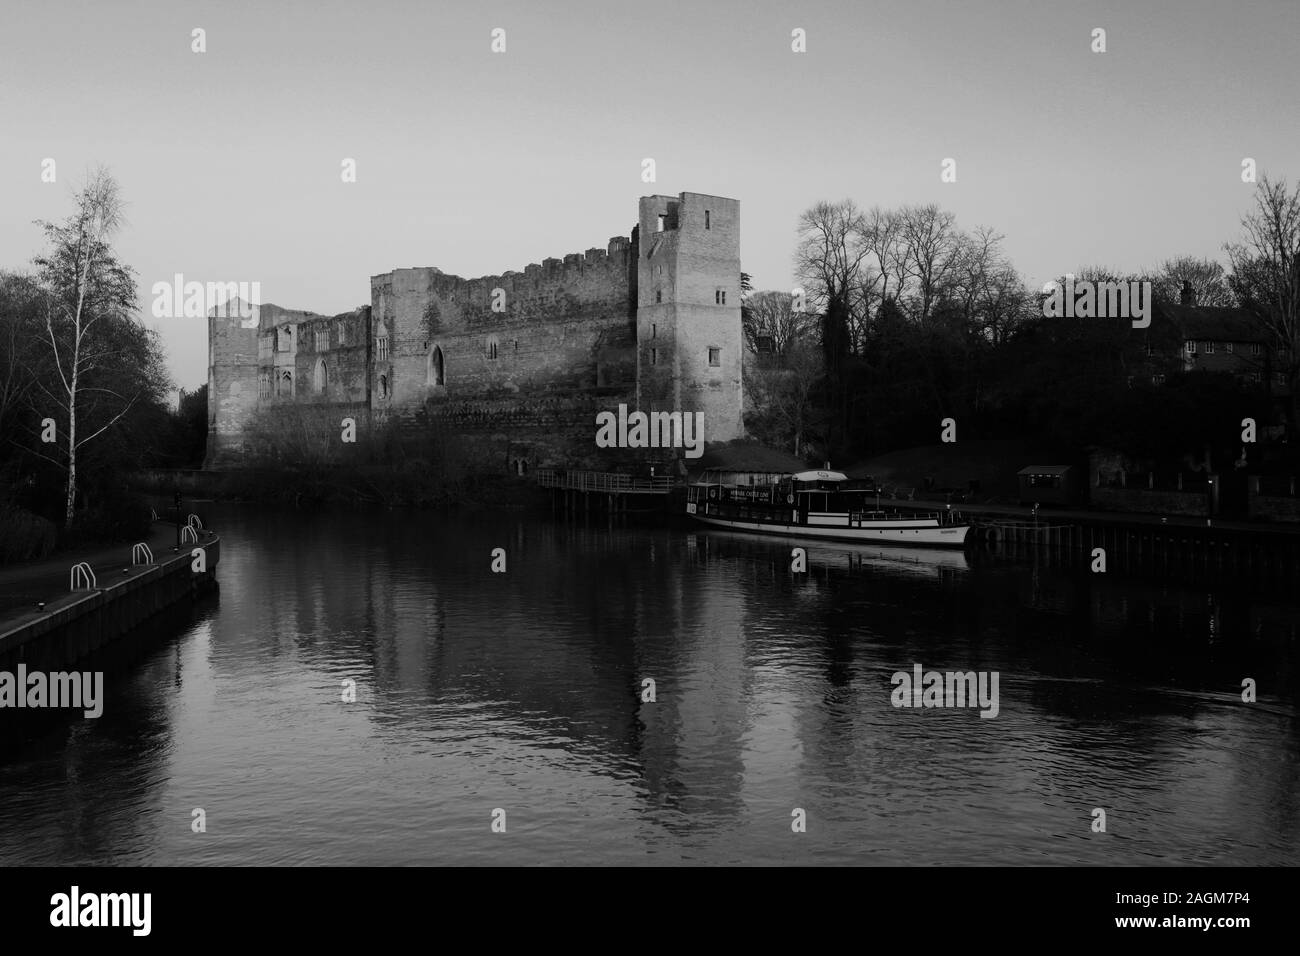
517 697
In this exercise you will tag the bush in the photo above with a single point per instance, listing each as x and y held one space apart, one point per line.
23 535
110 515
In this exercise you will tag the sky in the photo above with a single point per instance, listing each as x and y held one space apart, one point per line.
480 162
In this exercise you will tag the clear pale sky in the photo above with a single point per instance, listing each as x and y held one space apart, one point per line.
478 163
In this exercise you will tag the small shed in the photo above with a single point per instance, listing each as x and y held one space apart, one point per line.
1048 484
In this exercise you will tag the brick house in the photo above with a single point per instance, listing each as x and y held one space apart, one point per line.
1223 339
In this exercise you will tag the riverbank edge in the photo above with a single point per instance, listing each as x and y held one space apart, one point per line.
346 487
71 627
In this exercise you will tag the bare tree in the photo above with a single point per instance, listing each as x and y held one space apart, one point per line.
769 318
883 274
1266 276
1005 304
1208 280
19 315
933 249
978 258
781 396
829 252
84 285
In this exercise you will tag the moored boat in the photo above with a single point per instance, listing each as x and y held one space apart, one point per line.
815 504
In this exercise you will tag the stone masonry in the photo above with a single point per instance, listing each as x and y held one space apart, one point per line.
521 360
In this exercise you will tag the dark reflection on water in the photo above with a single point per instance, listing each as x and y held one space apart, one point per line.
523 691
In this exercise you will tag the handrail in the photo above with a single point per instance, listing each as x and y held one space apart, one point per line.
189 530
603 481
194 522
85 573
139 551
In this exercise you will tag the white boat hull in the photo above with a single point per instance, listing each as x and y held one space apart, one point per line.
906 533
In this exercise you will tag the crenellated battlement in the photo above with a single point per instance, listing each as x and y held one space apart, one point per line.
579 324
615 259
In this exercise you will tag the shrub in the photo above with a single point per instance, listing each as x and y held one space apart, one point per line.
110 514
23 535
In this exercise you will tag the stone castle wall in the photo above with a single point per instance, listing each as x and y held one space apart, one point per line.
565 324
566 340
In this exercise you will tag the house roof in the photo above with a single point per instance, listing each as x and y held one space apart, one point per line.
1044 470
1215 323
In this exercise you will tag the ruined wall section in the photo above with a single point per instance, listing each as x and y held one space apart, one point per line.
290 360
304 357
564 343
232 386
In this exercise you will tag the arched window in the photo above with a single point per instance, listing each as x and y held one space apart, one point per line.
284 387
322 376
437 373
383 386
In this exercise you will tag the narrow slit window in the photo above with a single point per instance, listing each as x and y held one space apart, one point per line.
437 369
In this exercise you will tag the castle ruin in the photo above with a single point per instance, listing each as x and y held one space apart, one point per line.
651 321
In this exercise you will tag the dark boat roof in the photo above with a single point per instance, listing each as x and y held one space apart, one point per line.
745 455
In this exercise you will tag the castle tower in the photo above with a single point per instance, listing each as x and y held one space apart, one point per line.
689 341
232 380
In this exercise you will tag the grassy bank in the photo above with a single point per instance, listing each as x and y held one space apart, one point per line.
992 464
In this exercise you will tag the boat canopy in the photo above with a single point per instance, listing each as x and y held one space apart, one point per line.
722 476
820 476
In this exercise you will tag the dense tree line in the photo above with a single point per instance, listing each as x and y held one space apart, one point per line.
908 319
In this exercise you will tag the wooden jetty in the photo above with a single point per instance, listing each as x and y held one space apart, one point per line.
604 490
1170 542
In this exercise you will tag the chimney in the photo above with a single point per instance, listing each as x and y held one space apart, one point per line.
1188 295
